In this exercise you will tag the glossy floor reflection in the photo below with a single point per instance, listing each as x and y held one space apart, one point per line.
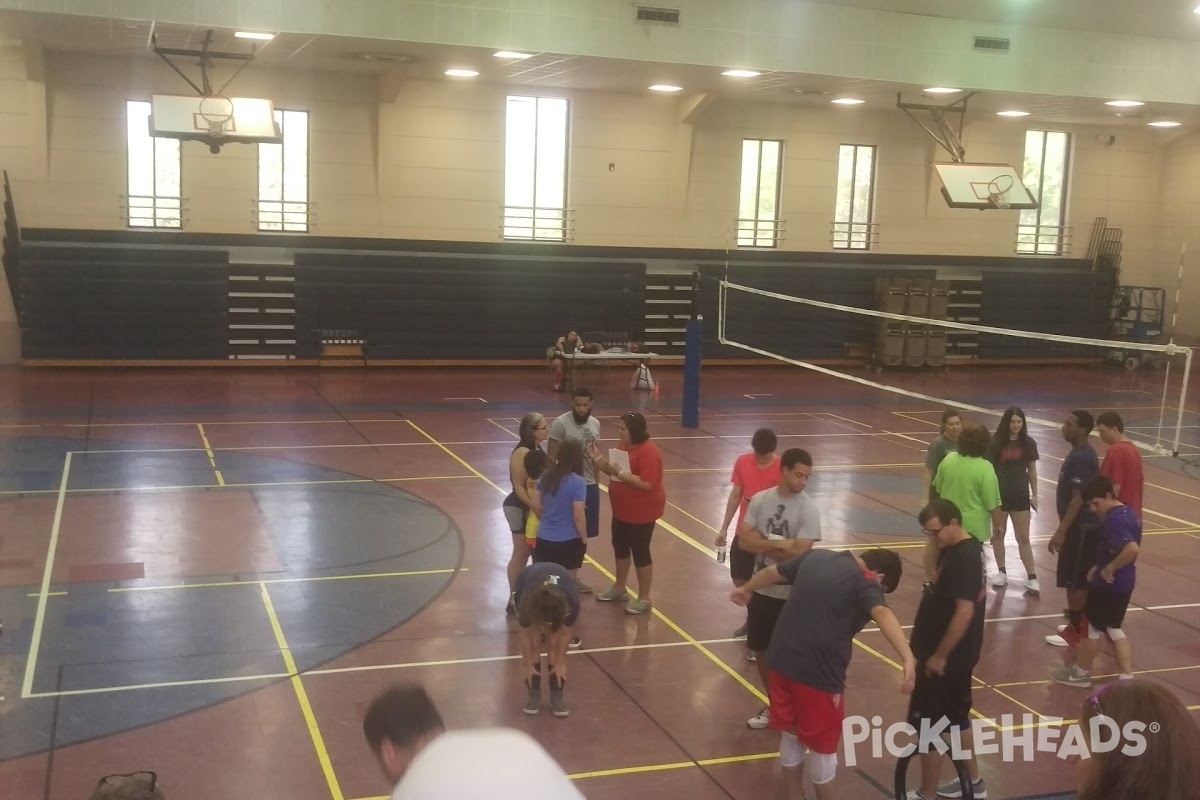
197 532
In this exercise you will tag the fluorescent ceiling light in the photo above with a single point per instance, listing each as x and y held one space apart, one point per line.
1165 123
1196 10
462 73
511 54
1012 113
941 90
1124 103
665 87
848 101
264 37
741 73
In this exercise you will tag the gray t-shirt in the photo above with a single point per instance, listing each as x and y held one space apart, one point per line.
777 517
565 427
831 598
547 572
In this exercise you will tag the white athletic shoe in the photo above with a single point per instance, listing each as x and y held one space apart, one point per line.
999 579
1032 586
762 720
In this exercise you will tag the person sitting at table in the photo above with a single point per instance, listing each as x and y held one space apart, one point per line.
565 346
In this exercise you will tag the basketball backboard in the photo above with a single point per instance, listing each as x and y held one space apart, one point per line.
214 120
983 186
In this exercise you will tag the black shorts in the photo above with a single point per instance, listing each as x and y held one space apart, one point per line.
763 613
568 555
1077 557
1017 501
741 563
1106 610
633 539
947 695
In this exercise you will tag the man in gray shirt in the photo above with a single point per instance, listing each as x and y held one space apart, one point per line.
780 524
580 425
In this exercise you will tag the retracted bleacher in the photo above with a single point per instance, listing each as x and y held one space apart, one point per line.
456 308
137 302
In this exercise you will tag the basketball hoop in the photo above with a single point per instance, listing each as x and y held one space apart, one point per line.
217 113
998 189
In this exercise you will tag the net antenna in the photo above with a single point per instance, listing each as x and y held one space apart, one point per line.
945 133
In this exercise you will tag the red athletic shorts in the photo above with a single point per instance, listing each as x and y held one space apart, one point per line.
816 717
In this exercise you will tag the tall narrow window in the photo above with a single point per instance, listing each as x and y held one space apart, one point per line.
154 169
535 169
854 209
758 207
1042 230
283 176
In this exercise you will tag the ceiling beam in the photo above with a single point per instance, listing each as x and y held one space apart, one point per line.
693 107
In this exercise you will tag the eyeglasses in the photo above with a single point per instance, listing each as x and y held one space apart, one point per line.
933 532
147 776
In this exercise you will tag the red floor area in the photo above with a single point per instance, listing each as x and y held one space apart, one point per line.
659 702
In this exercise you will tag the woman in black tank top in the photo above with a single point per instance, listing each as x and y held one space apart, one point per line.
533 431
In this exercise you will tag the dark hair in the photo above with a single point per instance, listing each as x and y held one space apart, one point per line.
1084 419
545 604
796 456
402 715
1002 432
1168 768
947 415
887 564
635 423
527 432
1097 488
1111 419
570 459
580 391
973 441
945 511
535 463
764 441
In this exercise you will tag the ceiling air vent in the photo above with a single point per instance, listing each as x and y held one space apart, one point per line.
990 44
661 16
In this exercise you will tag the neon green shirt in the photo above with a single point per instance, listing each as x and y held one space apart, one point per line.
970 483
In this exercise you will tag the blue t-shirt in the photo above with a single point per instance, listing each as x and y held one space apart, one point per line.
558 510
1121 526
1079 467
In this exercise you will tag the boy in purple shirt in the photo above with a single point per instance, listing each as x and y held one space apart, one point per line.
1111 584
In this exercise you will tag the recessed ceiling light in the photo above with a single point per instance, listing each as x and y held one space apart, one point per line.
264 37
1012 113
941 90
462 73
1124 103
848 101
1165 123
512 54
1196 10
665 87
741 73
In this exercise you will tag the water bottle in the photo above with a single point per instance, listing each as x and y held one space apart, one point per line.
721 554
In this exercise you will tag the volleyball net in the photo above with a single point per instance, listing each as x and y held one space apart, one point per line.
801 331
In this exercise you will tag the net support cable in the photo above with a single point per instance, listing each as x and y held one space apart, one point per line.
1169 349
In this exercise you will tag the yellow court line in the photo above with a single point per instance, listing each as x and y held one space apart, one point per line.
316 579
39 619
314 731
212 458
163 685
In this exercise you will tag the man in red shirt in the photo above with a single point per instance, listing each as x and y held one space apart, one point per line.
1122 462
752 473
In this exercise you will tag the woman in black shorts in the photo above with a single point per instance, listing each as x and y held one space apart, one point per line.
533 431
1015 455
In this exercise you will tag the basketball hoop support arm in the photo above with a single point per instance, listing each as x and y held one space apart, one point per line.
946 136
206 58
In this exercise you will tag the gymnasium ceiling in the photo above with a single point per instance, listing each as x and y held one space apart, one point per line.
426 60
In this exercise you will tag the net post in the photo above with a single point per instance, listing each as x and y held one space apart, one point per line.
1187 373
690 411
1162 411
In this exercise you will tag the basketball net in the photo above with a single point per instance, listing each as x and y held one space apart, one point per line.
217 112
997 194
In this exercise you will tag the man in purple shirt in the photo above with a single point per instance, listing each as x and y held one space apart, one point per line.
1111 584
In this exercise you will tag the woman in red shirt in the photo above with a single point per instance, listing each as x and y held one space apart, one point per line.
638 500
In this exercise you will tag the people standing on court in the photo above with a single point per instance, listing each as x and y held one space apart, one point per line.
1014 455
560 501
782 523
531 434
752 473
547 610
404 730
638 501
939 448
1122 461
832 596
968 480
947 638
578 425
1111 584
1074 542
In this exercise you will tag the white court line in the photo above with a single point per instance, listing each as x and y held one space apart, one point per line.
1059 615
39 619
